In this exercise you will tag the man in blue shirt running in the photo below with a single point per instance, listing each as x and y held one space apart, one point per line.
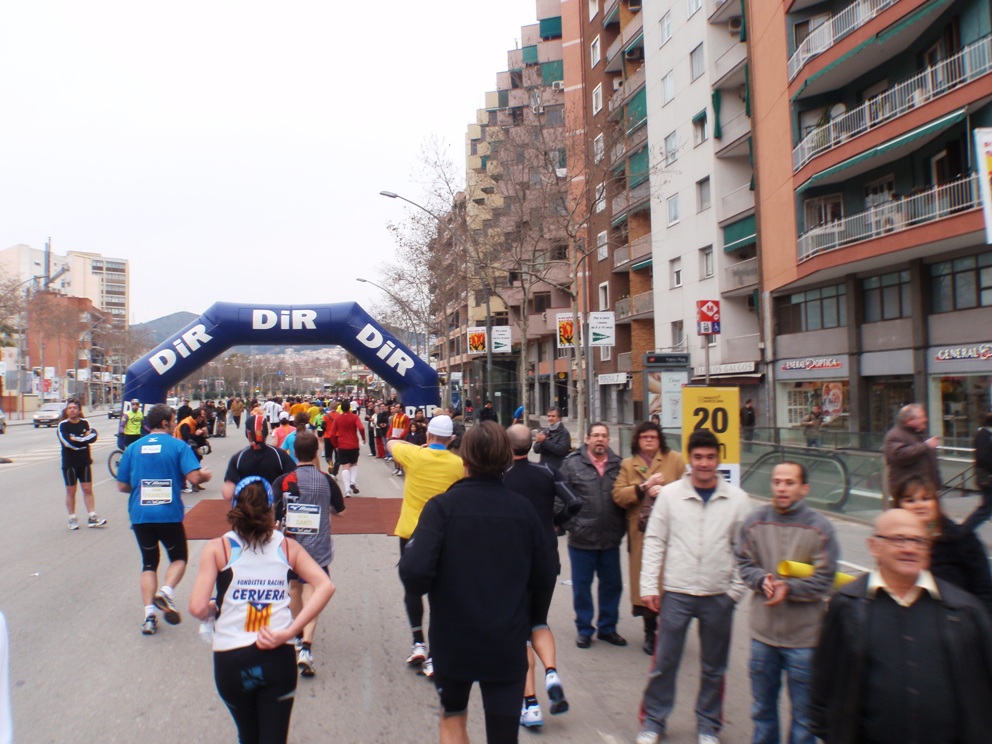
152 471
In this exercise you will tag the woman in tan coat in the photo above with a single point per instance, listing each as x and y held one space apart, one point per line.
651 465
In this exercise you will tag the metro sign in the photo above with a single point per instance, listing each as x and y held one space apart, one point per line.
707 317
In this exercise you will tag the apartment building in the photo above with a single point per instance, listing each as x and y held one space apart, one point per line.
877 281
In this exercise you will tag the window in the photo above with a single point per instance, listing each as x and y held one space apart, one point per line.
559 252
542 301
556 116
671 148
706 262
694 5
602 246
668 87
699 128
666 27
812 310
709 339
887 297
600 197
824 210
678 334
703 195
604 296
594 52
962 283
675 269
673 209
597 99
598 148
697 62
593 8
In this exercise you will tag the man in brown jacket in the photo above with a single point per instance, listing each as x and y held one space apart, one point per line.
908 451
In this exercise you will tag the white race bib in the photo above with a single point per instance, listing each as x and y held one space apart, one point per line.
397 433
156 492
302 519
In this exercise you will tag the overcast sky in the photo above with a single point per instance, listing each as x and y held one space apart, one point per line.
234 150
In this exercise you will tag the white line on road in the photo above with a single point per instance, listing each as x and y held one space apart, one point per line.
855 566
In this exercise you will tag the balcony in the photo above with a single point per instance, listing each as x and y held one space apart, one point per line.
971 63
728 68
840 25
625 362
631 308
631 85
740 348
735 203
632 252
721 11
631 143
733 142
934 204
628 35
627 200
740 278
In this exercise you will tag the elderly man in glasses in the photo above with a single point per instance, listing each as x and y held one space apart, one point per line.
903 656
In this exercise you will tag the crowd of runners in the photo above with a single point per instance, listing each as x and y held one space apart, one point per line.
478 533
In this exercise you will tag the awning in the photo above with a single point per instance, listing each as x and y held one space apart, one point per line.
613 15
641 264
699 116
550 28
894 148
739 234
909 20
639 39
619 220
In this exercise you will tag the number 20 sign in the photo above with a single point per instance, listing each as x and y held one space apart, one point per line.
716 409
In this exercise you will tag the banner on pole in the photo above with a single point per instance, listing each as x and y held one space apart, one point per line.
602 329
502 339
477 340
983 148
716 409
566 331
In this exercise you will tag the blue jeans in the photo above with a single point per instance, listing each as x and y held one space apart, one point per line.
585 565
766 667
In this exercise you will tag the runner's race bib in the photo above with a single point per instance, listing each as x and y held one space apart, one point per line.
156 492
302 519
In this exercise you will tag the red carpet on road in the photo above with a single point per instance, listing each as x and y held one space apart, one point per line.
362 516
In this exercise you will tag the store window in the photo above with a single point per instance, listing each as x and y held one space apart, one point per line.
962 283
812 310
833 397
887 297
964 403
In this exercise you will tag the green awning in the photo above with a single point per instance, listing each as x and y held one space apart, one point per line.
739 234
530 54
931 129
717 132
639 169
614 15
503 98
552 72
909 20
747 92
619 220
743 22
638 40
637 109
699 116
550 28
641 265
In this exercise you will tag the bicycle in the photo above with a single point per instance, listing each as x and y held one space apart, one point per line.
114 461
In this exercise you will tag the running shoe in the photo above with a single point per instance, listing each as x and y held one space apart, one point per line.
708 739
418 655
164 602
304 661
73 523
556 693
428 669
187 490
530 716
95 521
149 626
354 489
648 737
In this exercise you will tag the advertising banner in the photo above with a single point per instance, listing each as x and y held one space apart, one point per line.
983 148
477 340
716 409
602 329
566 331
502 339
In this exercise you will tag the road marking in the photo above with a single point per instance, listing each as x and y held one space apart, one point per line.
855 566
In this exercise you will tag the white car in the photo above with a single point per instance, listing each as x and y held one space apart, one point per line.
49 415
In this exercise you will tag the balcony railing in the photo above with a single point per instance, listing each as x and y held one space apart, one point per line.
823 37
972 62
621 256
901 214
740 275
639 304
625 362
737 201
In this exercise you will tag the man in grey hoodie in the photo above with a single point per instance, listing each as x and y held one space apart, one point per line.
786 612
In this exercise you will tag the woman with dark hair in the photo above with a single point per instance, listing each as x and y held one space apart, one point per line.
650 466
243 582
479 552
957 555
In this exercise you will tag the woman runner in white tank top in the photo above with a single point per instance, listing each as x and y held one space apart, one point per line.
254 657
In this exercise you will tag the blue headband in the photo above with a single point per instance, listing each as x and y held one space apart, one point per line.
252 479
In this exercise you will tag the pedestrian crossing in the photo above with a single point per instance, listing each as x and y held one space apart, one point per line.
49 454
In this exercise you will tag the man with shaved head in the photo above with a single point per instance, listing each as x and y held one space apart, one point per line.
903 656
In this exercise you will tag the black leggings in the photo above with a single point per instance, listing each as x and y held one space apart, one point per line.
500 700
258 687
414 602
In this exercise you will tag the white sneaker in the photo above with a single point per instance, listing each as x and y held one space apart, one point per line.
708 739
556 693
530 716
648 737
428 669
304 661
418 655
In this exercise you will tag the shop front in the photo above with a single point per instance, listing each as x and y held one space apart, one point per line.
960 379
616 404
803 383
888 378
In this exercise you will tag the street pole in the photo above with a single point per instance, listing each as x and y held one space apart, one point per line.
489 350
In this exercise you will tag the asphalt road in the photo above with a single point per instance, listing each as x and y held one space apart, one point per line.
82 672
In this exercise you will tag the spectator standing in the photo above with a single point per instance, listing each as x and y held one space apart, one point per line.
812 425
370 411
983 474
399 428
457 428
133 418
237 408
749 420
518 416
480 553
786 614
908 451
488 413
76 436
903 657
650 466
381 430
689 542
555 442
594 537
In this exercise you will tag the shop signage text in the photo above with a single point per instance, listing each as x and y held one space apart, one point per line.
812 363
980 352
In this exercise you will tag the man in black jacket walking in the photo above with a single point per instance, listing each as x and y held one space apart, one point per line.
553 443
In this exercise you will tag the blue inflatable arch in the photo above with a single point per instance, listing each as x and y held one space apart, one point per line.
227 324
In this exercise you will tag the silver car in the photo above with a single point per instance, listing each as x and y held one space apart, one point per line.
48 415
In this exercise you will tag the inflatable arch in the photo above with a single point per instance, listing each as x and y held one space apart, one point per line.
227 324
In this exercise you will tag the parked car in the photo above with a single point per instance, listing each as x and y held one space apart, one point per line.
115 411
49 414
3 423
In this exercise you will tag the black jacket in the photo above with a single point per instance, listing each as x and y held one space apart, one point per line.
479 552
839 660
556 445
600 524
488 414
983 457
958 557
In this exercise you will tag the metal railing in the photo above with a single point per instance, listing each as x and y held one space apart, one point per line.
972 62
625 361
739 200
621 256
740 275
901 214
841 24
639 304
